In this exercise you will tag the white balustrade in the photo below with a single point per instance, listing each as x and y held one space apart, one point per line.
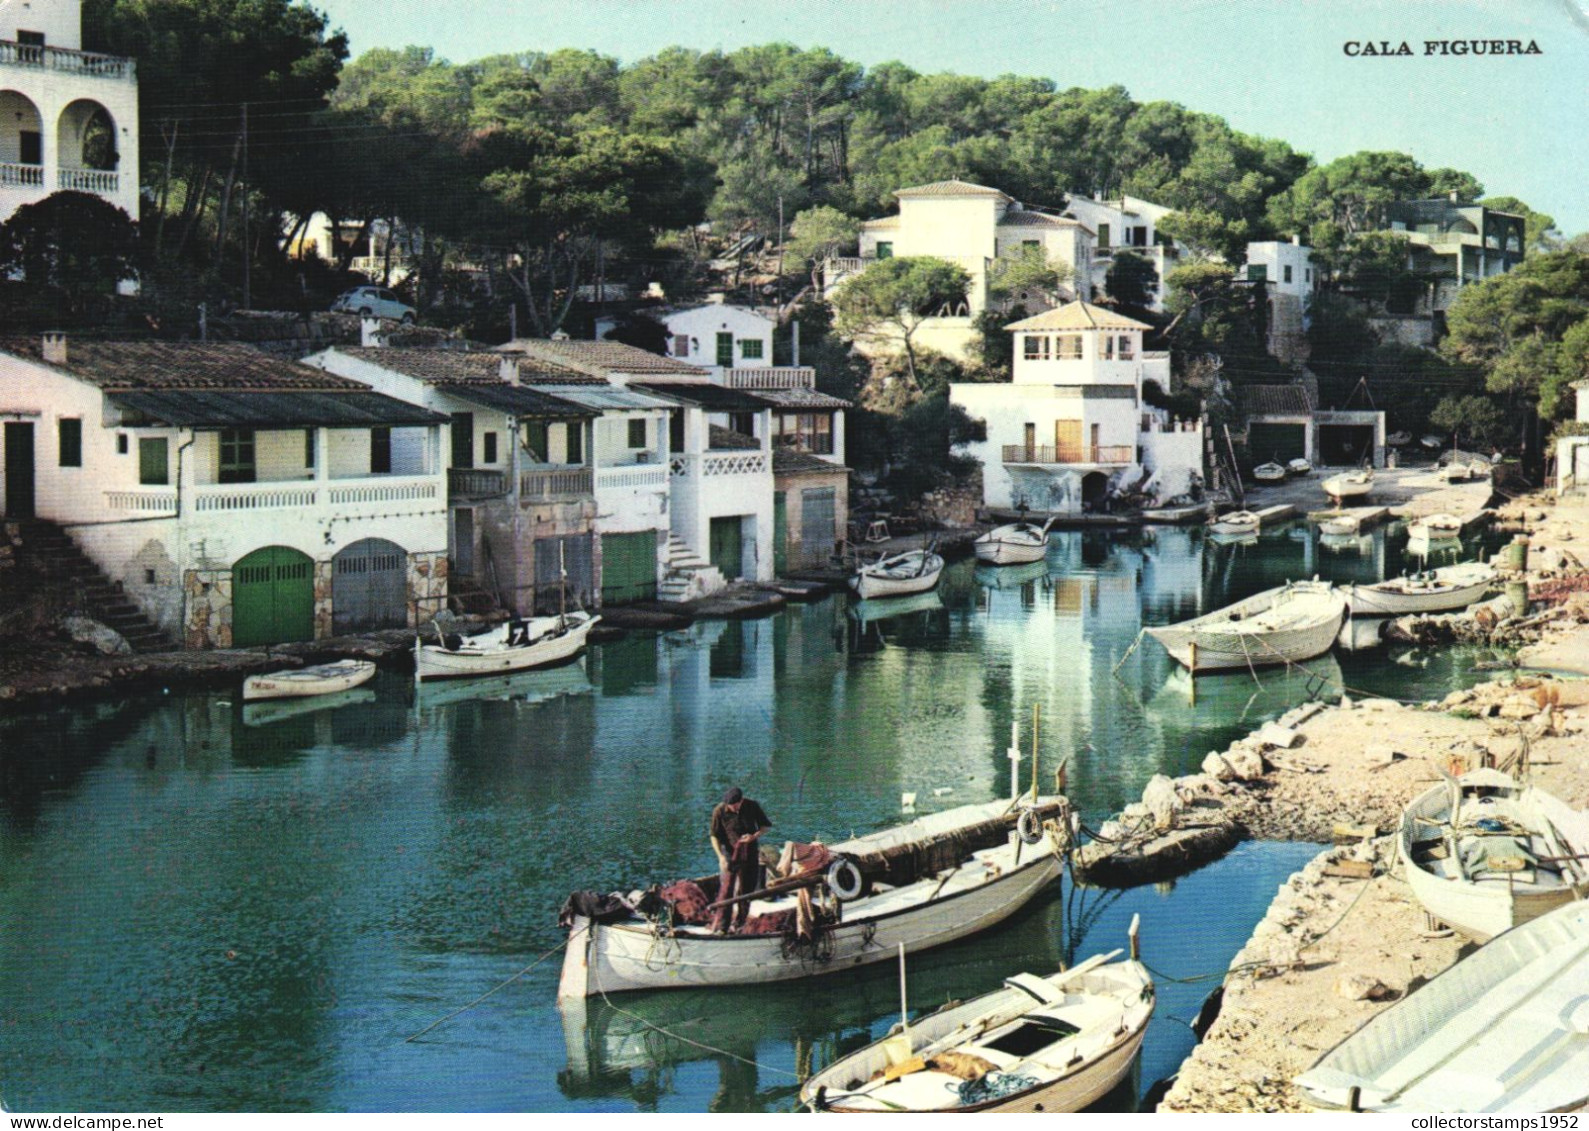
144 502
13 175
88 180
642 476
213 497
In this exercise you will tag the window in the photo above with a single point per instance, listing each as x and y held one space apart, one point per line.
1069 347
308 448
575 439
121 443
30 38
725 350
463 440
1126 350
489 440
681 345
637 433
1287 270
807 431
1036 347
1103 235
676 431
1257 273
237 456
1108 347
154 468
70 433
885 249
380 451
536 444
1307 275
750 349
1031 245
30 147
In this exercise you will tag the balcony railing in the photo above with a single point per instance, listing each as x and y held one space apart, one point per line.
1065 453
13 175
150 500
631 476
713 466
471 484
299 495
771 377
64 59
88 180
558 483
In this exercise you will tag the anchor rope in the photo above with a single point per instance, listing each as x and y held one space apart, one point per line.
672 1036
494 989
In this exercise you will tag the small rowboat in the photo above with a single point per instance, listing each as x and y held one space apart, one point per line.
1236 522
1434 591
914 571
1269 473
1432 442
1014 544
1350 485
1340 524
1435 526
1299 467
1058 1042
298 683
1295 622
514 646
1398 439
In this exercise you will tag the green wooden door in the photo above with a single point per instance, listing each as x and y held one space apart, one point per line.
725 350
628 567
728 546
272 597
780 532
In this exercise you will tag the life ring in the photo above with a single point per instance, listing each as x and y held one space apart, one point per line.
844 878
1030 826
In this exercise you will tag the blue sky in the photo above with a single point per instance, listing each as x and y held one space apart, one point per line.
1270 67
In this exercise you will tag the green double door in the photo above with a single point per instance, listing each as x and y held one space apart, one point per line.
628 567
727 551
272 597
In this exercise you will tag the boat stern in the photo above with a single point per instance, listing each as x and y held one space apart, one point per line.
574 983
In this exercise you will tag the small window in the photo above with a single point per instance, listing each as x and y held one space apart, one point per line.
885 250
575 433
750 349
1103 235
1287 271
71 442
1070 347
308 448
380 451
30 38
489 442
681 345
1037 346
1257 273
1126 350
1031 245
536 446
154 465
1108 347
30 147
121 443
237 456
637 433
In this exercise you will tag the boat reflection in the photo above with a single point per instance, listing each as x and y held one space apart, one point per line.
1009 577
268 711
1226 697
877 609
525 687
1360 544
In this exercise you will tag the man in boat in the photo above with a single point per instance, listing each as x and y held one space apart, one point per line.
737 825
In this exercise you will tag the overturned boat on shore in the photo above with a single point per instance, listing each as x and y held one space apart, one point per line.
1504 1030
1427 591
934 880
1484 852
1297 621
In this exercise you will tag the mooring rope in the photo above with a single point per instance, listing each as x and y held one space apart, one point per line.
651 1025
494 989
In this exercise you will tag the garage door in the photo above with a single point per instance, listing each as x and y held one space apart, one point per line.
728 546
628 567
369 587
1278 442
569 555
272 597
1345 445
817 507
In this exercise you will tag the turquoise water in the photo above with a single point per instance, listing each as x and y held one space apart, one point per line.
207 911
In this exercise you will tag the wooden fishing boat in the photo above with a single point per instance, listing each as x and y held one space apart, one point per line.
1398 439
914 571
1013 544
938 878
1294 622
1299 467
1050 1043
1434 528
1505 1030
1340 524
513 646
1269 472
1430 591
1349 485
300 683
1484 852
1236 522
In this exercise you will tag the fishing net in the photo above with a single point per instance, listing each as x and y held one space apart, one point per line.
995 1085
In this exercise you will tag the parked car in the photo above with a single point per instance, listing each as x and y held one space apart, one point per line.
377 301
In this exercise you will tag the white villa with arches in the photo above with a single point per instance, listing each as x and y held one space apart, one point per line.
68 117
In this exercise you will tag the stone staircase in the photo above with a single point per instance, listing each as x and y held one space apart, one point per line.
686 577
54 552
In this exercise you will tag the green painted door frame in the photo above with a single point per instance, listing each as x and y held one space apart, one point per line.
272 597
628 567
780 532
728 546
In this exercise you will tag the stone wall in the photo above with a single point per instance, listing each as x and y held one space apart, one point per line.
207 601
951 506
427 586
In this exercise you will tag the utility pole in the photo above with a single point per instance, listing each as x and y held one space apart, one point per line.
247 266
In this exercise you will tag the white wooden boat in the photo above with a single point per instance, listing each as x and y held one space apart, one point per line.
1434 528
1432 442
1349 485
1456 472
979 889
1431 591
1505 1030
1484 852
1013 544
1236 522
1398 439
300 683
1299 467
1340 524
1295 622
914 571
1269 472
513 646
1050 1043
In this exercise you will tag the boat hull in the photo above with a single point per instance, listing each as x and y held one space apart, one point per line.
431 661
1373 601
605 958
869 582
1222 645
324 679
1010 552
1340 489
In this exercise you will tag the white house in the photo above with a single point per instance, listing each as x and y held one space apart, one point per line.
970 225
237 498
1071 427
720 336
68 117
1572 452
1125 225
1285 271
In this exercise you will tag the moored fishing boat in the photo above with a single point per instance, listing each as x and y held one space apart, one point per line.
1431 591
1340 524
298 683
1015 543
1485 852
1236 522
1349 485
914 571
1269 472
1434 528
933 880
1294 622
1299 467
1502 1031
1050 1043
513 646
